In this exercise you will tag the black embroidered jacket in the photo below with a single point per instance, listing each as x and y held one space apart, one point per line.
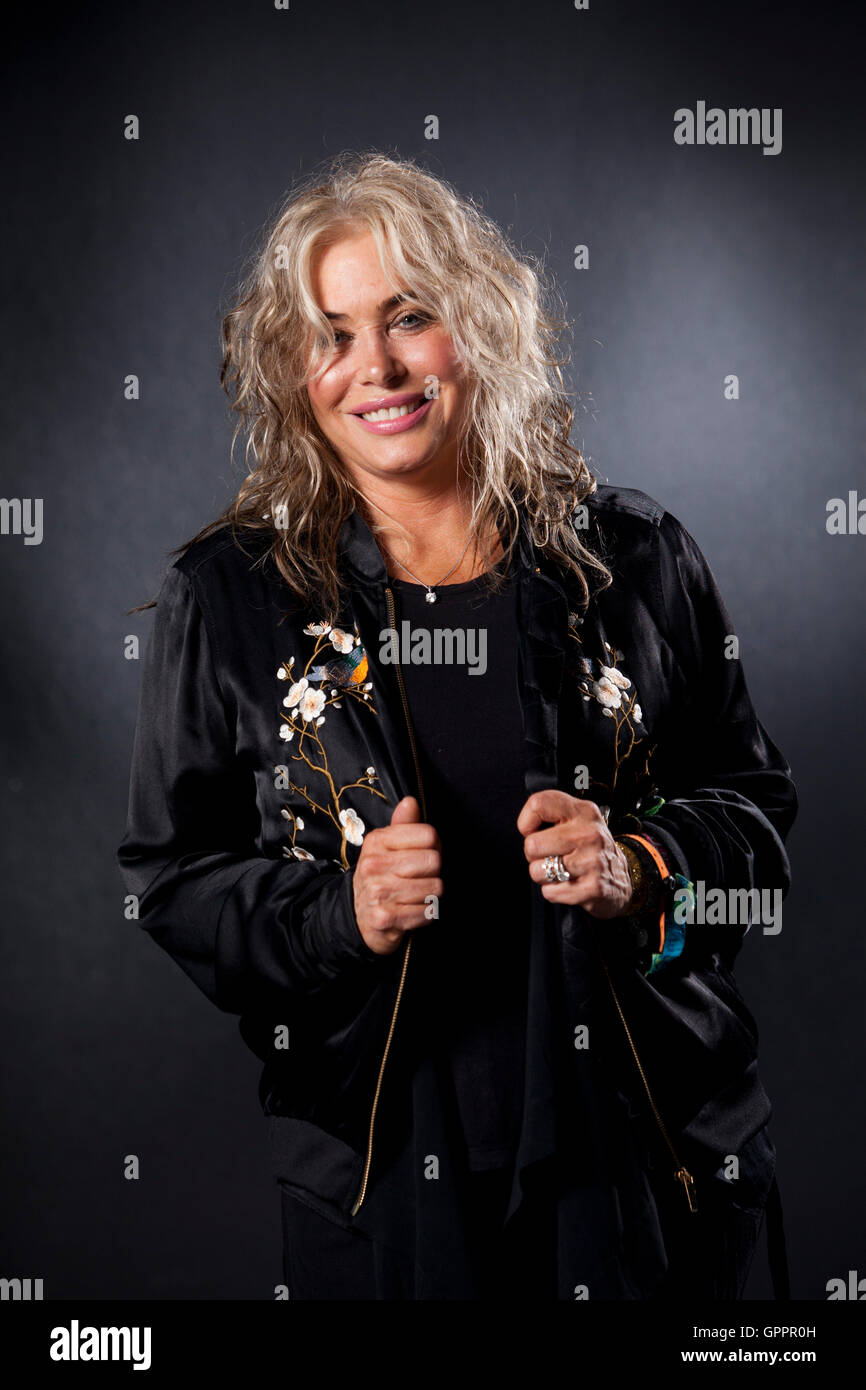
270 741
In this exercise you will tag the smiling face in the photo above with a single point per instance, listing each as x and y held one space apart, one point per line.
387 350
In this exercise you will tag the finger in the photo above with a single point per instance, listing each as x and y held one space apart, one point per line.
413 892
585 893
410 918
561 893
545 807
558 839
406 811
584 830
416 863
575 863
404 916
415 835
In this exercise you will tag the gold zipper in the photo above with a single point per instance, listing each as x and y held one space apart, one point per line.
408 948
681 1173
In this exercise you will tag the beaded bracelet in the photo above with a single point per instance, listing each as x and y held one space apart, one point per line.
640 880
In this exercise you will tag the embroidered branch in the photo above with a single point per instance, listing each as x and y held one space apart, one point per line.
338 667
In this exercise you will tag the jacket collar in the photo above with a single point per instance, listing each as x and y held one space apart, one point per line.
358 553
361 558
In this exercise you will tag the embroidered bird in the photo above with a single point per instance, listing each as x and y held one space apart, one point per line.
344 669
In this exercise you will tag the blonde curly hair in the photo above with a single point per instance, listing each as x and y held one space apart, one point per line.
496 306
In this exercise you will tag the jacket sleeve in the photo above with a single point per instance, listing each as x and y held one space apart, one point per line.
729 797
237 922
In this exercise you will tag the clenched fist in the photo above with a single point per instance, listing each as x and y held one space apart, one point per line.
577 831
397 869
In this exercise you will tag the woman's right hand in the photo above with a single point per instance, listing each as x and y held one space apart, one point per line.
397 871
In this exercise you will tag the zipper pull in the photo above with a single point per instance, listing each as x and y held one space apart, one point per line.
684 1176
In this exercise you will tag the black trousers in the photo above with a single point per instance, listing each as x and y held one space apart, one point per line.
710 1252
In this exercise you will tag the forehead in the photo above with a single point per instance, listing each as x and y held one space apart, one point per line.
347 275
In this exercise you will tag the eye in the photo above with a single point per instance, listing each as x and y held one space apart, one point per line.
421 319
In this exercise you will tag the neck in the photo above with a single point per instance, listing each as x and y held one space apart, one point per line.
427 529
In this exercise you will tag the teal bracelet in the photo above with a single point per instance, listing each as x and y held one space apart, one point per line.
679 911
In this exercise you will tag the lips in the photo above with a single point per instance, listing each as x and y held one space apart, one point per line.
389 403
397 423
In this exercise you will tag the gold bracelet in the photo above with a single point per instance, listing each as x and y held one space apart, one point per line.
640 884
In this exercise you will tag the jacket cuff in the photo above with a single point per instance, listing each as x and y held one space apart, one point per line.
331 934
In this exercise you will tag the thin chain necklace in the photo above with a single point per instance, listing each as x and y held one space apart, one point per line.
430 596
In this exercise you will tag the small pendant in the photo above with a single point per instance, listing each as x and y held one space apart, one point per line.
430 596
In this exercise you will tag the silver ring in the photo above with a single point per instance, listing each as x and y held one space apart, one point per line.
562 873
554 869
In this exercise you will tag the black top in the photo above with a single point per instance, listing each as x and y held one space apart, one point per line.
465 712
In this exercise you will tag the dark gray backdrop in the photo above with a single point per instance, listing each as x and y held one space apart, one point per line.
119 257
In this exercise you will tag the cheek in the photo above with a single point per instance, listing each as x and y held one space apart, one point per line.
435 356
324 393
452 386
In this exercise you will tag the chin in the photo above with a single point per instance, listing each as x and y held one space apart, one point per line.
401 465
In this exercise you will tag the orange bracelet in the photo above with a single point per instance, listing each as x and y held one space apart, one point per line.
664 872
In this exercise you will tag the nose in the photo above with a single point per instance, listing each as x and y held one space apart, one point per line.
375 356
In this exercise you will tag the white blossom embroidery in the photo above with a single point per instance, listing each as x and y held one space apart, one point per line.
336 670
341 640
354 826
312 703
607 684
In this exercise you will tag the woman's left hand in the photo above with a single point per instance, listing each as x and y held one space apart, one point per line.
577 831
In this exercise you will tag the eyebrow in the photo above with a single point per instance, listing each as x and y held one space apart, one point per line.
382 308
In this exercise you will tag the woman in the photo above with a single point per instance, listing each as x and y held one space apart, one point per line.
438 743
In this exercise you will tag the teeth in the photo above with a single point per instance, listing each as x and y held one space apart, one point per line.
393 413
